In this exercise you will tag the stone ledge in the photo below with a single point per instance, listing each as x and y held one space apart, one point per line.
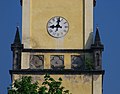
55 72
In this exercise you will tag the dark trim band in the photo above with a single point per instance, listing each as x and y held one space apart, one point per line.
59 50
55 72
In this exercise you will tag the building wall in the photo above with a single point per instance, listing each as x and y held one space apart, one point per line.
97 84
67 59
76 84
35 15
41 12
79 14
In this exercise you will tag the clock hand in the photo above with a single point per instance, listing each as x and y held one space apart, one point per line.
58 24
52 26
58 20
56 29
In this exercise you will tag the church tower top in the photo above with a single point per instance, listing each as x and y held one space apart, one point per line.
58 40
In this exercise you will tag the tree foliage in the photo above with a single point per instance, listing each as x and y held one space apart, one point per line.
89 63
51 86
24 85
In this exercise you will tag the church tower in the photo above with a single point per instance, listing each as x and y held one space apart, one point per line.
57 38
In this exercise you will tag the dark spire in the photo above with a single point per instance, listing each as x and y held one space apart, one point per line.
17 37
94 3
17 42
97 41
97 37
21 2
97 48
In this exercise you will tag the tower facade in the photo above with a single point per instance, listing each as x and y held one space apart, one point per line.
57 38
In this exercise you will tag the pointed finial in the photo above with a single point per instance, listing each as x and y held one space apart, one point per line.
94 3
97 41
21 2
17 37
17 42
97 36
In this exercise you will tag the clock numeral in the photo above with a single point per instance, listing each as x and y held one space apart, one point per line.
58 34
53 20
50 31
66 26
61 33
57 18
65 22
61 19
65 30
54 33
49 23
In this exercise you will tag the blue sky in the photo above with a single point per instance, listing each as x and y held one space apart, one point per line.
106 15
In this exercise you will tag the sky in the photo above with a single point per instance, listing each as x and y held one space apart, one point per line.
106 16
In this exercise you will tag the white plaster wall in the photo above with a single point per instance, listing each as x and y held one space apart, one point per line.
26 23
25 32
97 84
88 23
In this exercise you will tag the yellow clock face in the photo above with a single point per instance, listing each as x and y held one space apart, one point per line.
57 27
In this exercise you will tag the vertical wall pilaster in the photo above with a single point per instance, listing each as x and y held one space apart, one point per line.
88 23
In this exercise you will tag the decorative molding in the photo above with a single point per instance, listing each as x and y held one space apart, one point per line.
36 62
59 50
55 72
77 62
57 62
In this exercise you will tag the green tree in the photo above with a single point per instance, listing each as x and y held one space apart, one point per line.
51 86
24 85
89 64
